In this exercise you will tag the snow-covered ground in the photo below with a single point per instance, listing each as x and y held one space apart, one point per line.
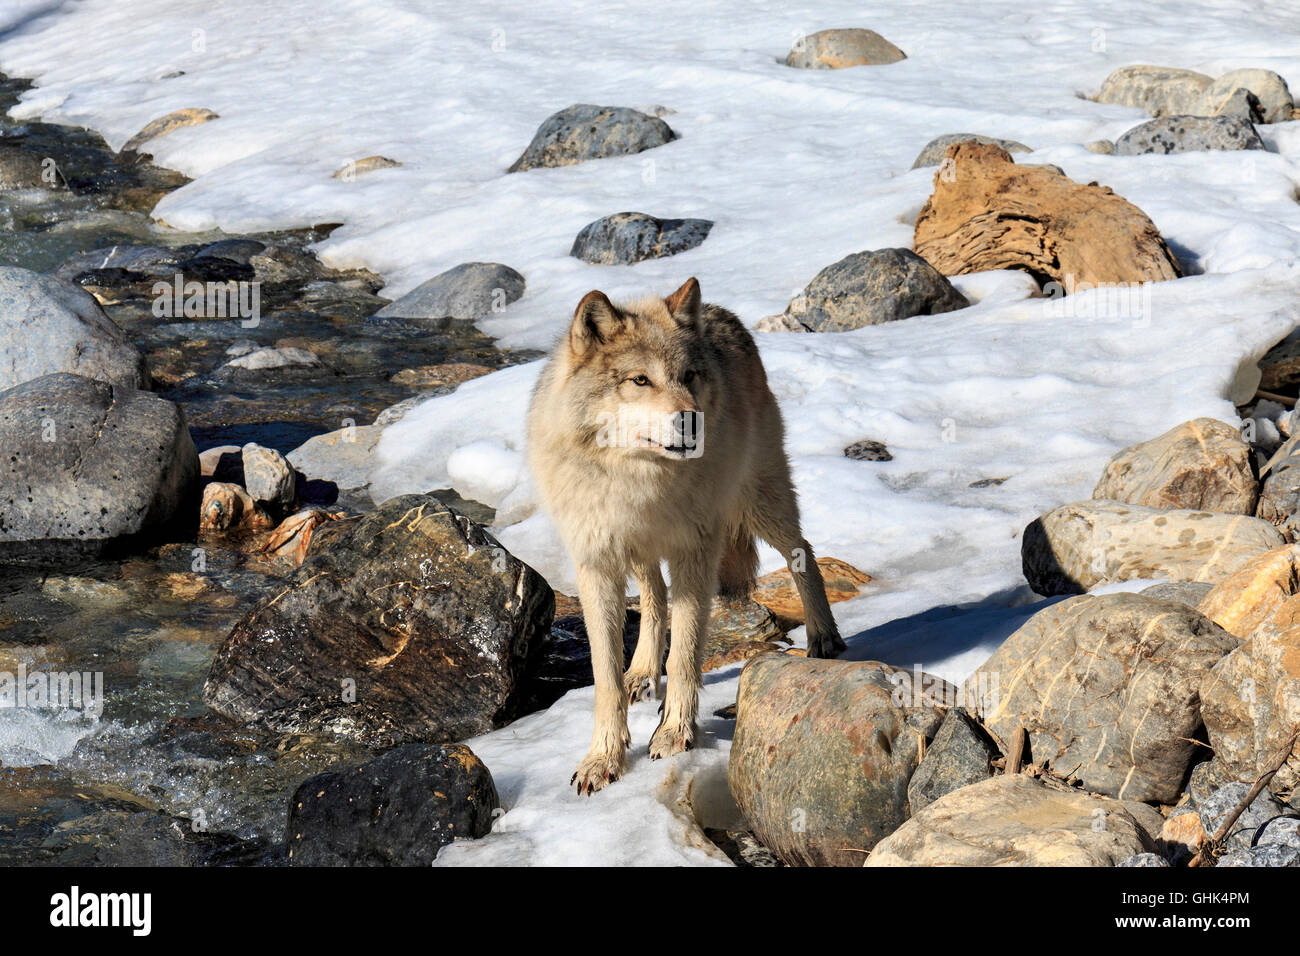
798 169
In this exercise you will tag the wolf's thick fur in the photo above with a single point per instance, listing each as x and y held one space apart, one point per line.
625 503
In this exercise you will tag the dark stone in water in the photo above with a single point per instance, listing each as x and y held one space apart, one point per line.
397 810
209 268
374 635
566 660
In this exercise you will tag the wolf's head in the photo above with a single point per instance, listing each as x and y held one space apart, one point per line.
641 378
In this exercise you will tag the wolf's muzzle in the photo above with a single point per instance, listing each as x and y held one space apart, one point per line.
685 434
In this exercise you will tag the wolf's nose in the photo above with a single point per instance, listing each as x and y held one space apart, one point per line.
685 428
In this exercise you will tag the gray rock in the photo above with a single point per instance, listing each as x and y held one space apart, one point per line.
1190 593
1269 89
344 457
89 467
628 237
268 477
582 132
1262 856
868 450
1280 831
959 755
838 49
1103 147
266 359
22 169
869 288
1216 808
1161 91
395 413
468 291
147 260
932 154
1145 859
49 325
1181 134
1279 495
1240 104
236 250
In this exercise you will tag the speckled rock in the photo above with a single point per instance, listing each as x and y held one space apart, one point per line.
838 49
399 809
468 291
868 288
959 755
1076 547
268 477
1269 88
1018 821
1160 90
933 152
1213 811
582 132
1272 856
823 751
1145 859
628 237
1108 689
1201 465
373 636
1181 134
868 450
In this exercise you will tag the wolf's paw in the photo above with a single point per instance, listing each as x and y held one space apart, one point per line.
670 739
639 686
826 646
596 772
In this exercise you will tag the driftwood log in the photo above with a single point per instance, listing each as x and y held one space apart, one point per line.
986 212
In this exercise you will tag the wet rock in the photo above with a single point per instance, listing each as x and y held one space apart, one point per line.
223 463
868 288
628 237
839 49
22 169
48 325
933 152
268 477
177 119
1107 688
995 214
1161 91
224 506
960 754
564 661
823 752
372 637
358 167
1201 465
89 467
399 809
582 132
776 591
1018 821
868 450
149 261
239 250
246 367
468 291
1181 134
344 457
1252 595
446 376
1076 547
1269 89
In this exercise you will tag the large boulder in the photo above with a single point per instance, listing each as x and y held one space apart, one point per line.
90 467
994 214
1184 134
1018 821
1268 87
1251 702
399 809
1202 465
1160 90
1108 689
1251 595
868 288
823 752
582 132
376 636
49 325
628 237
468 291
838 49
1075 547
933 152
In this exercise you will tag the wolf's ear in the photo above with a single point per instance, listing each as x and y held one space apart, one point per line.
684 305
594 321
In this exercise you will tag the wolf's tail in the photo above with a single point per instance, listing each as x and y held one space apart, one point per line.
739 565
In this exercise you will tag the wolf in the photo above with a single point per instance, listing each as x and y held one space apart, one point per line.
653 437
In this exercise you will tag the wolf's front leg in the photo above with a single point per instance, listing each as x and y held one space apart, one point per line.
694 583
604 611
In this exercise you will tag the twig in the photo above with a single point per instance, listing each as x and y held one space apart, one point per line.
1274 397
1017 753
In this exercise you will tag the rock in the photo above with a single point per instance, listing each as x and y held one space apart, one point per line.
564 661
628 237
1184 592
49 325
839 49
236 250
776 591
1145 859
1103 147
1279 495
996 215
1269 89
823 751
350 171
739 651
1201 465
166 124
780 323
1018 821
440 376
1108 689
399 809
1279 831
1182 134
738 630
1251 701
868 288
1280 366
582 132
1076 547
1161 91
933 152
374 635
222 462
89 468
1252 595
22 169
152 261
1214 810
959 755
868 450
1183 834
267 360
1262 856
268 478
344 457
225 505
1239 104
466 292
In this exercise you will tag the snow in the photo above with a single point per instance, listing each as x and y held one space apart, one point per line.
798 169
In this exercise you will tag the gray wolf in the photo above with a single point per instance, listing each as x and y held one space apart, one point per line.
652 437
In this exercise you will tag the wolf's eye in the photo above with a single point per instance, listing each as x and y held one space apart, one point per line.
639 380
688 377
